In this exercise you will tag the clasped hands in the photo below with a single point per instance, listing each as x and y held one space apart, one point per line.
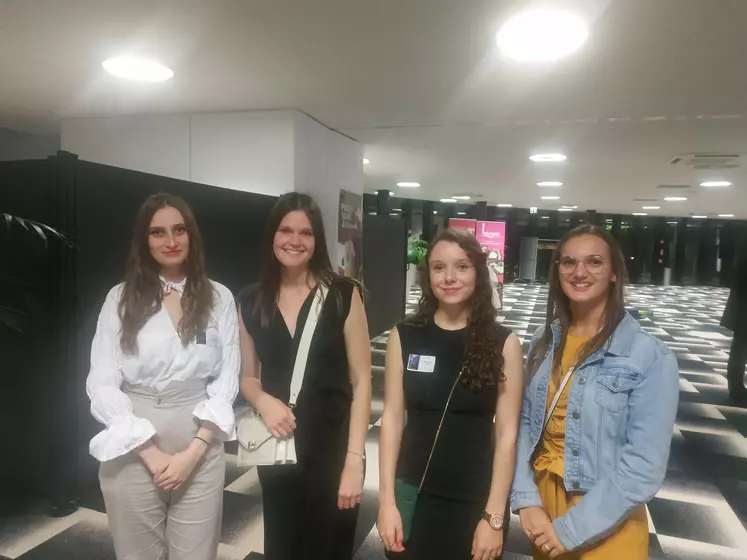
539 528
170 471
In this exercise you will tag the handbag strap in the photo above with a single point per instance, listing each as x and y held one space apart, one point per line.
302 356
438 431
555 400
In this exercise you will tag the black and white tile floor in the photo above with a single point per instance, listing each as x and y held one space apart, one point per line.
700 513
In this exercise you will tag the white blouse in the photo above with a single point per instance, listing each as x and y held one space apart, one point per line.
161 359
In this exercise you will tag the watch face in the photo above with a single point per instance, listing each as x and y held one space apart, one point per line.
496 522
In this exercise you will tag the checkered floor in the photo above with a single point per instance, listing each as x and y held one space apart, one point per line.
700 513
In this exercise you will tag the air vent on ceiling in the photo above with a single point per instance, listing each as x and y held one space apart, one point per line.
645 199
673 187
707 160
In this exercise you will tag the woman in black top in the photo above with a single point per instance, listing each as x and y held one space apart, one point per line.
461 509
311 507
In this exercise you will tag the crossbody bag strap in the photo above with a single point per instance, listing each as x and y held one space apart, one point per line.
566 378
302 356
438 431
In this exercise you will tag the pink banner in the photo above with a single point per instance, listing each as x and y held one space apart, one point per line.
492 238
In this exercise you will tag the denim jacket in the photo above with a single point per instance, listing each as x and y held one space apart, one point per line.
621 412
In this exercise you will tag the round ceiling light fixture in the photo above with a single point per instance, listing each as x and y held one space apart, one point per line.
366 161
408 184
565 209
548 158
716 184
463 197
652 207
726 215
675 198
448 200
504 205
550 198
549 184
700 217
137 69
542 35
640 214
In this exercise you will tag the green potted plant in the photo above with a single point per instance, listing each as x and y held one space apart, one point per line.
12 290
416 250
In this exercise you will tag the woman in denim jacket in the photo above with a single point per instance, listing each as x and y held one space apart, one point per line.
586 470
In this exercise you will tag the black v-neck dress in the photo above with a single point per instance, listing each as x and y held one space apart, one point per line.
301 518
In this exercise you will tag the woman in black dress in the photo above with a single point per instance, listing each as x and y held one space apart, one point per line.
454 342
311 507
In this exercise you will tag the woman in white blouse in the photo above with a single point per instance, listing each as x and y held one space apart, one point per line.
164 375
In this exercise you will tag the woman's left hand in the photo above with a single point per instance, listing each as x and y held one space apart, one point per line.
487 542
351 483
546 539
180 467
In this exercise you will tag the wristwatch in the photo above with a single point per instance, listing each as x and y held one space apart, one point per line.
494 520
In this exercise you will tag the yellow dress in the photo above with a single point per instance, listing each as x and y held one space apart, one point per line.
630 540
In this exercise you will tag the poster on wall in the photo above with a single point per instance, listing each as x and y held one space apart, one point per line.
470 226
350 235
492 238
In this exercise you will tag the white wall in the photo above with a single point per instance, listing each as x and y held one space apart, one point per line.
157 144
250 150
16 145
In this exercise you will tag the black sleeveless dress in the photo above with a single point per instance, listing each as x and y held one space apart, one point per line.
457 485
301 519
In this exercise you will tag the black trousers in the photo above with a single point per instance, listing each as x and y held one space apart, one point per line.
735 367
444 528
301 518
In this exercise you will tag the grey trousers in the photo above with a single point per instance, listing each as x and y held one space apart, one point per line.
147 523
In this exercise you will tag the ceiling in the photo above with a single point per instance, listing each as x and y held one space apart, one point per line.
422 86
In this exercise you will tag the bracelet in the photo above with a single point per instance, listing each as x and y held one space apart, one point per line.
357 454
206 442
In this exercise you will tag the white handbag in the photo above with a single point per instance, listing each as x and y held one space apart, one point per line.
257 446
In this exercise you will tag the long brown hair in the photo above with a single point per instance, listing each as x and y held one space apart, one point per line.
142 295
320 267
483 355
559 305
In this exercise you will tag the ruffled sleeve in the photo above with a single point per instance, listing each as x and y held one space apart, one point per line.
222 390
109 405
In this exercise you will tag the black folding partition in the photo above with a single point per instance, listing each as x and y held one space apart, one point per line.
43 372
384 270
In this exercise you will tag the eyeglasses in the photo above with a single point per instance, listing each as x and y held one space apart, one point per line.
592 263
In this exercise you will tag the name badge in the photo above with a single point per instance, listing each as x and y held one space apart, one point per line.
422 364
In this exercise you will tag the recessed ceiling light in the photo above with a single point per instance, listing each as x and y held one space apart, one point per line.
545 217
396 209
461 197
640 214
549 184
366 161
541 35
462 213
565 209
504 205
716 184
545 158
699 217
652 207
672 223
550 197
449 200
570 207
137 69
408 184
435 211
675 198
726 215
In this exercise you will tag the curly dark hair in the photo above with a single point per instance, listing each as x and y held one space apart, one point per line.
483 355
